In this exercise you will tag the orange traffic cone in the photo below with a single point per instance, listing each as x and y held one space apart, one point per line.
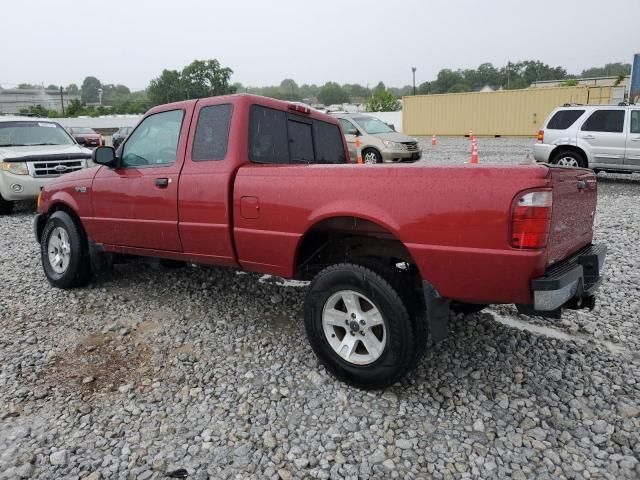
474 153
434 140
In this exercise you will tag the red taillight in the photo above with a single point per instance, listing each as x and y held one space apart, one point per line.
531 219
540 136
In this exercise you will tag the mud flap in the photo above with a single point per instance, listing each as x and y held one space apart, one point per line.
437 313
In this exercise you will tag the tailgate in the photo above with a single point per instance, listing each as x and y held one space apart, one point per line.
574 208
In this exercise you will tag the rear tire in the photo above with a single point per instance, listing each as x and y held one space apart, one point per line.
64 252
370 349
6 206
569 158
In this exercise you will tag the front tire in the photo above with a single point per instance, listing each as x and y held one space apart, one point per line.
371 156
359 327
568 158
64 252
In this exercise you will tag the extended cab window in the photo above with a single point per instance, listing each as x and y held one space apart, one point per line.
563 119
212 133
278 137
155 141
300 142
329 144
605 121
268 136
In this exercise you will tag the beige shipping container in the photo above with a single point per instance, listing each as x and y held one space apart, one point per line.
505 112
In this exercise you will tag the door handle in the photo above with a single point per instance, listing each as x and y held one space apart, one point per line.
589 137
637 139
162 182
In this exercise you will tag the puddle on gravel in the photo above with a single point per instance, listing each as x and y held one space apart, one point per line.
554 333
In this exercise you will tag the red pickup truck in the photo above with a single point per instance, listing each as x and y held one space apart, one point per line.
264 185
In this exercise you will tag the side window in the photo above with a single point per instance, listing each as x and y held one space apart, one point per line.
155 141
300 142
212 133
635 121
268 135
563 119
347 126
604 121
329 146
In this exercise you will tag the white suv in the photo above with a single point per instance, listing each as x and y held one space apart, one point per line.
32 152
600 137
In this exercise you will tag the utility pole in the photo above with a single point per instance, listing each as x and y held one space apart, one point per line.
61 101
413 70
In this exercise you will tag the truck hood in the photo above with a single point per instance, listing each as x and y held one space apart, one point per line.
395 137
19 153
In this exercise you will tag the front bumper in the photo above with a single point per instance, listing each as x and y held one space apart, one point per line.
20 187
401 155
571 283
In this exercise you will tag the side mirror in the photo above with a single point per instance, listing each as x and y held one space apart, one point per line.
354 132
105 156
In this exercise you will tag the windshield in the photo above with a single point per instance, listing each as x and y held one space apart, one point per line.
83 130
373 125
20 134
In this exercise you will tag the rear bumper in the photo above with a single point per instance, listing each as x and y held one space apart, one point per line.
542 152
571 283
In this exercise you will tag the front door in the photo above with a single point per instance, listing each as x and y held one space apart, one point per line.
633 140
136 205
604 132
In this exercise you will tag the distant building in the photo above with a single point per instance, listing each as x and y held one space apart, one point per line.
12 100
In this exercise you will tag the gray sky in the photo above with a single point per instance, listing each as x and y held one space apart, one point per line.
348 41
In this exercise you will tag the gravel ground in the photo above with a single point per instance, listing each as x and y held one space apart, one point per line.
149 370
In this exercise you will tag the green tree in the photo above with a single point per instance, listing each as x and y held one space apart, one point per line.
89 91
609 70
166 88
72 89
74 108
356 92
383 101
206 78
53 87
332 94
289 90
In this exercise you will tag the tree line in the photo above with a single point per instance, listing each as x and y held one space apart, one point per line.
204 78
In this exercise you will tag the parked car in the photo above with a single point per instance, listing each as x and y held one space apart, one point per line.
264 185
32 152
119 136
595 136
379 142
86 136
